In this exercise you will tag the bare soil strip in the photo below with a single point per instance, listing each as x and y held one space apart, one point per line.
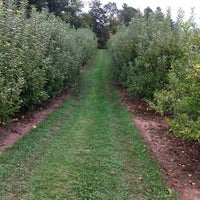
22 124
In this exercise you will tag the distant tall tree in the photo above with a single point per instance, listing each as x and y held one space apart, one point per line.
111 10
112 14
99 23
147 12
127 13
159 13
68 10
86 20
39 4
73 13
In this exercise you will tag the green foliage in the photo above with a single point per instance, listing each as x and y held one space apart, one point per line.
143 52
39 57
11 76
181 97
127 13
33 49
99 23
68 10
157 59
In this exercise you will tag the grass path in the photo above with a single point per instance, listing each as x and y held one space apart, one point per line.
88 149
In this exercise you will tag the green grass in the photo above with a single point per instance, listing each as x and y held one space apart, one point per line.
88 149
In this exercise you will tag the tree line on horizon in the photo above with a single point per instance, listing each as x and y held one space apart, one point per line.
104 20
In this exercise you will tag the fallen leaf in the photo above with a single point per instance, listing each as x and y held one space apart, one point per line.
140 178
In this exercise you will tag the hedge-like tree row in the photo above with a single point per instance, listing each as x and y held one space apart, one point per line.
39 57
158 60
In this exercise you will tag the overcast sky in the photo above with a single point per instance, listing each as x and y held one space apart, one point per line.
186 5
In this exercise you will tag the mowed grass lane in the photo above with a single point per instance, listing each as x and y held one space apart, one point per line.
87 149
